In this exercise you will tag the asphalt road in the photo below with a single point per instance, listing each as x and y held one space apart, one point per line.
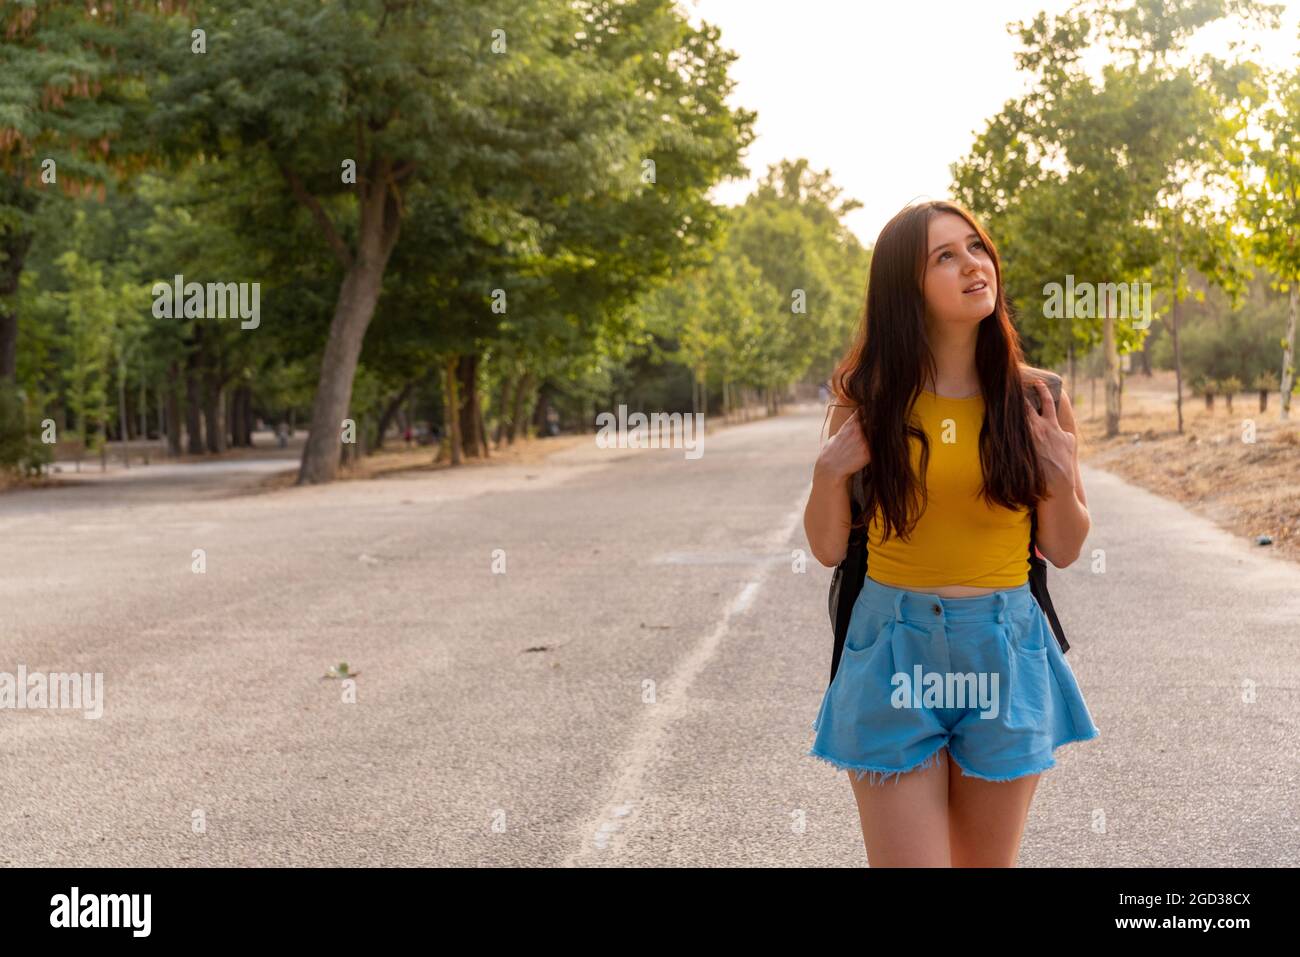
634 686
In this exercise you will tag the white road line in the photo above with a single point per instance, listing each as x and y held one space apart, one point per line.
742 601
599 833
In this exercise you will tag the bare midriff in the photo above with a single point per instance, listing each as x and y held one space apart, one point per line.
947 591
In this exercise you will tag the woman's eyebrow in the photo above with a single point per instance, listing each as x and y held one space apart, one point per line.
941 246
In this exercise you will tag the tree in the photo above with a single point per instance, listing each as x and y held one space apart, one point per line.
71 87
360 105
1271 206
1086 180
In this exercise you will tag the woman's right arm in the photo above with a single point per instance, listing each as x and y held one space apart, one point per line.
827 516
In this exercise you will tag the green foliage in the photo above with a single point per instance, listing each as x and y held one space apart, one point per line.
551 163
775 298
1090 179
1219 340
21 448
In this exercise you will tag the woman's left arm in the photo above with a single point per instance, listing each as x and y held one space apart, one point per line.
1063 520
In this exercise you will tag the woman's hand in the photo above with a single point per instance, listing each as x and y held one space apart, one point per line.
845 452
827 516
1054 445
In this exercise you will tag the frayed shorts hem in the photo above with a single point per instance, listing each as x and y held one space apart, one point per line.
877 774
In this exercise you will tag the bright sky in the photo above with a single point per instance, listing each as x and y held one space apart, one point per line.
887 95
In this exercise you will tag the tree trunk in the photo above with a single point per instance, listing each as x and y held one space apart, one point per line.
471 412
123 420
517 413
244 400
1111 351
248 416
1288 357
386 419
362 281
451 410
1178 358
503 410
482 430
14 245
193 405
142 410
214 413
235 417
465 391
8 342
172 398
541 416
1144 357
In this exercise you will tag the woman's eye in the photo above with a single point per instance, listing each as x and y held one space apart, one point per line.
973 245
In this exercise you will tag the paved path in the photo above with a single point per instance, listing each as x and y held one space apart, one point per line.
636 688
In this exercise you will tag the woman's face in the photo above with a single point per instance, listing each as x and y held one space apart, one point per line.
957 260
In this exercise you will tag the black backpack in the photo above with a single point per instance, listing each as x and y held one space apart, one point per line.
846 581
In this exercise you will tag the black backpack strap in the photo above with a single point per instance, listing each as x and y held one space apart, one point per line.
849 574
1038 566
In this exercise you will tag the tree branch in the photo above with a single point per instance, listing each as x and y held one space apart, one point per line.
318 213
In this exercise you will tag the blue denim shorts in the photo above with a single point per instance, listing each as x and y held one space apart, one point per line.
983 675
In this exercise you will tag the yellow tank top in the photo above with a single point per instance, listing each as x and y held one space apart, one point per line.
959 539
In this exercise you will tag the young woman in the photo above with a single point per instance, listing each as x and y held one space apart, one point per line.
952 692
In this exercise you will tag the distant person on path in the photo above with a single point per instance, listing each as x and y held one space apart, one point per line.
951 691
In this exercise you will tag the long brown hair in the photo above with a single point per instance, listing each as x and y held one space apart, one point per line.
881 375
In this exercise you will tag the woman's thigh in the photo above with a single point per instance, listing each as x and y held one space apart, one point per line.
986 819
905 819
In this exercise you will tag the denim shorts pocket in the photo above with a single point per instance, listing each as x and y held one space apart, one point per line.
1028 632
865 629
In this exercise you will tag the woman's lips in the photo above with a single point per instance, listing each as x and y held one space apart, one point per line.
971 292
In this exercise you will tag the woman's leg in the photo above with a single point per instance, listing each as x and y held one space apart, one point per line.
986 819
905 819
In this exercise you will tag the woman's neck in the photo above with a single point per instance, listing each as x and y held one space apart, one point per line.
954 386
955 373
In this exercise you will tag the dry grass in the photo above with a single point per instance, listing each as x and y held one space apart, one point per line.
9 480
1249 488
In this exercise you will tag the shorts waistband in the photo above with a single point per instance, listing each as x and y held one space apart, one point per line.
924 608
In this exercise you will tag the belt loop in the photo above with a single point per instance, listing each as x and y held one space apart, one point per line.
898 607
1002 605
